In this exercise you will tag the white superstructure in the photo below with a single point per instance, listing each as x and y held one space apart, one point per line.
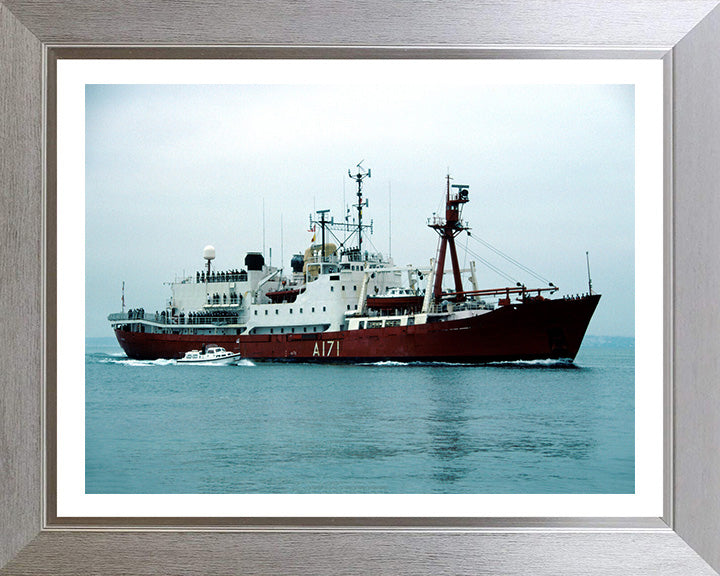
258 299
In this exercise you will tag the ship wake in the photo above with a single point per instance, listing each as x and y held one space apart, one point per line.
562 363
125 361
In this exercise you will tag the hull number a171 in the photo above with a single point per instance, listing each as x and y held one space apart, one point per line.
328 348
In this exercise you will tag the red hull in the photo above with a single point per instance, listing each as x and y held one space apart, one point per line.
539 329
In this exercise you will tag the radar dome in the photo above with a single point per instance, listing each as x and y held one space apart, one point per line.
209 252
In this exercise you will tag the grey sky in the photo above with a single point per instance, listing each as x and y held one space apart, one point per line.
170 169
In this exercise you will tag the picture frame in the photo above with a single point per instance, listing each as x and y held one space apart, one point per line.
683 34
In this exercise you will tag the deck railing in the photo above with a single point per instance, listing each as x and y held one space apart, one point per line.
203 320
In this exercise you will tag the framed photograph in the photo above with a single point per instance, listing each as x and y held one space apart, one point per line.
152 154
339 310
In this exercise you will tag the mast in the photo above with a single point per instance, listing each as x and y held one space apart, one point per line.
448 228
587 259
322 232
389 221
359 177
263 229
350 228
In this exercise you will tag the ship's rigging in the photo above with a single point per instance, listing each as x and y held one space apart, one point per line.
448 228
352 229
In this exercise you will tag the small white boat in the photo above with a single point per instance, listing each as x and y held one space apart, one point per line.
210 354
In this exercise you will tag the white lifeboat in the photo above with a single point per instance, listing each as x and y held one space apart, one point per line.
210 354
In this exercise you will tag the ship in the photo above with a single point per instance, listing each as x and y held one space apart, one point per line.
343 303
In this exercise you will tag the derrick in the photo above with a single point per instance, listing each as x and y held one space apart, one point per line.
456 196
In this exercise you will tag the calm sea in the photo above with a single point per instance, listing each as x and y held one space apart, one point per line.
526 427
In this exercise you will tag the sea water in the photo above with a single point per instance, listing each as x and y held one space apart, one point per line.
509 428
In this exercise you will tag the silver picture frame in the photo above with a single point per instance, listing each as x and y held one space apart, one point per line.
685 34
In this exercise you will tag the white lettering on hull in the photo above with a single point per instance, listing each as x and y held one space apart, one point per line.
328 346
